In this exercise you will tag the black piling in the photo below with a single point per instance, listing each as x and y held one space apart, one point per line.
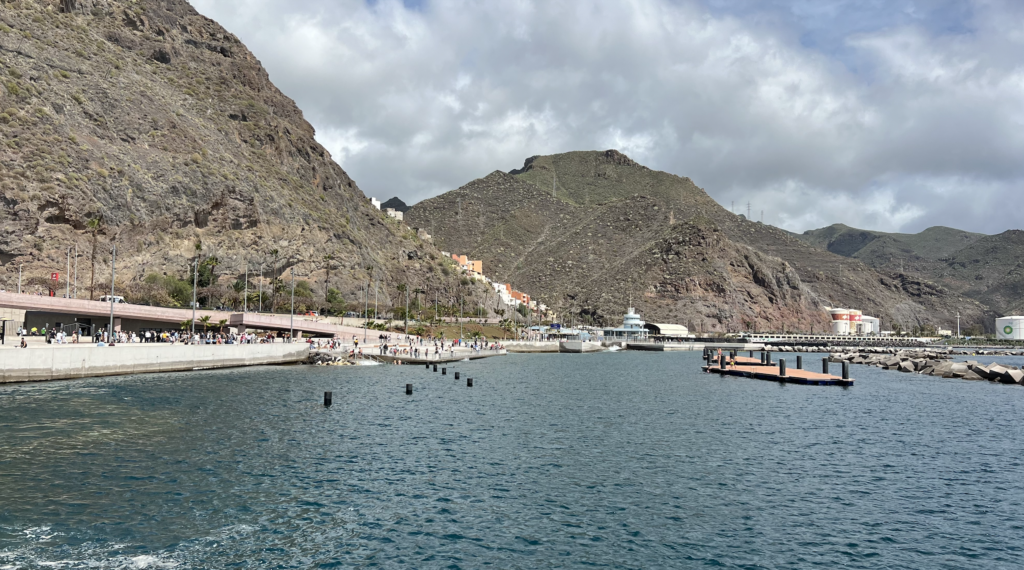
408 389
768 358
456 375
782 367
428 366
799 362
469 382
721 362
708 358
846 370
824 365
444 371
751 353
327 399
435 368
762 357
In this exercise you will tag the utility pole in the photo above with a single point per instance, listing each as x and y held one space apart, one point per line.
958 324
376 286
113 259
406 309
76 270
291 321
366 307
462 305
19 277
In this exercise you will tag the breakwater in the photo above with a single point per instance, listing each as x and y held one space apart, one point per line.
64 362
934 363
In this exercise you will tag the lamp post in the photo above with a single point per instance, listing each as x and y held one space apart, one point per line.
366 307
462 305
76 270
67 281
261 286
291 322
113 260
19 277
245 295
195 284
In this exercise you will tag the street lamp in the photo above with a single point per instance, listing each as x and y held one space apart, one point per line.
291 323
245 295
113 260
19 277
76 270
195 284
67 280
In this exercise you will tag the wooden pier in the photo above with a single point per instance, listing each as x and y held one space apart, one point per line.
773 371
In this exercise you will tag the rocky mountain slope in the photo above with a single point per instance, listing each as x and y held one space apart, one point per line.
585 230
396 204
145 124
987 269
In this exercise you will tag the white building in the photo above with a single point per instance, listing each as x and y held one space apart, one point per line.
391 212
375 202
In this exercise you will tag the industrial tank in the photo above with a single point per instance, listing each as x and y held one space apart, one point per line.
1010 328
856 326
840 321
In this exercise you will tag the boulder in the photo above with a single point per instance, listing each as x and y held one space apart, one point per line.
996 373
970 375
905 366
1012 377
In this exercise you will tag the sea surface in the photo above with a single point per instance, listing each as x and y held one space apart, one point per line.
612 460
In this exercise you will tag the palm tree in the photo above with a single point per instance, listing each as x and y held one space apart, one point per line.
94 226
205 321
327 280
221 324
273 299
185 325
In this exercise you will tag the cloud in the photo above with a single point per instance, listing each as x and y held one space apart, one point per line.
888 115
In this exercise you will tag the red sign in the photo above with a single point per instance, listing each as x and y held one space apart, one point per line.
55 276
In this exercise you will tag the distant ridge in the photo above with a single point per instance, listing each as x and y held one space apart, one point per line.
396 204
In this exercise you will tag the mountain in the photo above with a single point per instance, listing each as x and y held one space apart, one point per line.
395 204
891 250
985 268
152 121
590 232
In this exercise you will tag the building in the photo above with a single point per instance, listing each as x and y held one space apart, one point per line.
632 329
667 331
1010 328
393 213
375 203
871 325
853 322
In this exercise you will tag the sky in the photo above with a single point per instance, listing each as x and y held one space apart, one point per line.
891 115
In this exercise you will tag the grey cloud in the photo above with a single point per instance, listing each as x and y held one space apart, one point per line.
417 102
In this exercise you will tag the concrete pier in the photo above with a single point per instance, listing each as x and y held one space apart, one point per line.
59 362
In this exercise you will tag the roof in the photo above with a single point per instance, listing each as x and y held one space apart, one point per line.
667 330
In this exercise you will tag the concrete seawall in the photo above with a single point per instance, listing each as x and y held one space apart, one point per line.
64 362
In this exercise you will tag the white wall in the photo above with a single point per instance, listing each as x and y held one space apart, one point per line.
63 361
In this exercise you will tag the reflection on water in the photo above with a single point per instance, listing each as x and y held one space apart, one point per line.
629 460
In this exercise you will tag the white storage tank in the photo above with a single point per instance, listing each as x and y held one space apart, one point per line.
855 322
840 321
871 325
1010 328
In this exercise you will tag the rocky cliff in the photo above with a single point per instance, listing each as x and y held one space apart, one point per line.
145 124
585 231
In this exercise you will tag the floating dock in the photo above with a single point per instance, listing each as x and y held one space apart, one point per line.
773 371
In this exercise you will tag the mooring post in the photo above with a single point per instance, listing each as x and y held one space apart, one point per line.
327 399
435 368
444 371
469 382
768 358
782 367
762 357
846 370
428 366
751 353
408 389
824 365
456 375
721 362
709 358
799 362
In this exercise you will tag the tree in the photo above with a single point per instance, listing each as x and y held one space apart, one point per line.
205 321
221 324
273 298
335 302
94 227
327 280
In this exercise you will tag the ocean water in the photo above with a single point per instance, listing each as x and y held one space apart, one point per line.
613 460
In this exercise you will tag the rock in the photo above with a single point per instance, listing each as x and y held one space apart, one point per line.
905 366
